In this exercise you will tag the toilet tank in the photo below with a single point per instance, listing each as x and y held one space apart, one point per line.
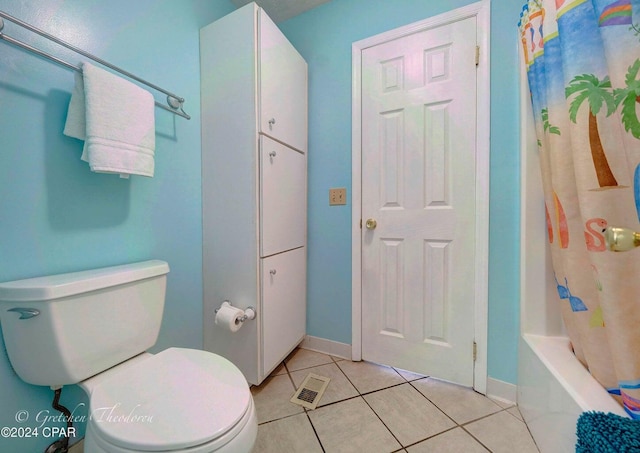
62 329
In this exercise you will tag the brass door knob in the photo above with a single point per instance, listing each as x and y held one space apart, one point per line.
371 224
621 239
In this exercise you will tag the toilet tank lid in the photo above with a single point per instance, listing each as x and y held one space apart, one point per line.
62 285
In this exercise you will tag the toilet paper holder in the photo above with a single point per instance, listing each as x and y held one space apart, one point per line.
248 313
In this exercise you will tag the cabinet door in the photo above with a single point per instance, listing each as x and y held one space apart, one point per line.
283 305
283 87
283 198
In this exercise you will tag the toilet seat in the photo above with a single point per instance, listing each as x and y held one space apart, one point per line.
174 400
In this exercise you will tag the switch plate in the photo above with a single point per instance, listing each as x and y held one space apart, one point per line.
337 196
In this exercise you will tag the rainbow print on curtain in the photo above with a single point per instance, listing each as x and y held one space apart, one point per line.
583 66
616 13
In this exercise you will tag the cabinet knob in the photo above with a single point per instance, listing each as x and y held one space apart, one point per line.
272 154
272 272
272 121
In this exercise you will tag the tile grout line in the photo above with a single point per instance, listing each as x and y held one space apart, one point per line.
372 391
306 412
474 437
279 419
286 368
403 447
360 395
383 388
347 377
407 381
457 425
528 430
314 431
308 367
431 437
464 426
454 421
294 386
383 423
436 406
483 417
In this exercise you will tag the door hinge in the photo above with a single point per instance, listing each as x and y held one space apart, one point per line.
475 351
477 55
360 223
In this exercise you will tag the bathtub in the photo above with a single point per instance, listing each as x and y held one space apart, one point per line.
554 389
553 386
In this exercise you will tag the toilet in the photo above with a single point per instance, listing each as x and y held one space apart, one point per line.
93 328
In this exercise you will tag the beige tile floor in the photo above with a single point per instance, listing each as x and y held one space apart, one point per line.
373 408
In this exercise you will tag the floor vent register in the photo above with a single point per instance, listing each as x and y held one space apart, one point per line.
310 391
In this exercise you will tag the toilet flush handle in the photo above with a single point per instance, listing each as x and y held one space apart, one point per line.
25 313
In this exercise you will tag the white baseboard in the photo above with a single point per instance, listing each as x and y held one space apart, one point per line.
497 389
501 390
334 348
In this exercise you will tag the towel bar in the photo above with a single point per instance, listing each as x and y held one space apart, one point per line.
175 102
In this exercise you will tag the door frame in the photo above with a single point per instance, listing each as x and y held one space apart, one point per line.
480 10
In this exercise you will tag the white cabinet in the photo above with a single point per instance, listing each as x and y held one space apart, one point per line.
283 198
283 75
283 320
254 188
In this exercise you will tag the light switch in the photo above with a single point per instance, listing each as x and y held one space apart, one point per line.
337 196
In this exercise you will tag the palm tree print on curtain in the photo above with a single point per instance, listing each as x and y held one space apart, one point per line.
628 98
583 66
597 93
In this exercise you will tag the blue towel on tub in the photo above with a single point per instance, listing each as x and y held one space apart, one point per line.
607 433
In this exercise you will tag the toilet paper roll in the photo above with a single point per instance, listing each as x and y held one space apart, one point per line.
227 317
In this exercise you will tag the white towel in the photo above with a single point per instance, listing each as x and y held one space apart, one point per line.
116 120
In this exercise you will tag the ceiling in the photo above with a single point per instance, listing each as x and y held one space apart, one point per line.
281 10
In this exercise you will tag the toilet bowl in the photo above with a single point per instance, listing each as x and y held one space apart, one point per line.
92 328
179 400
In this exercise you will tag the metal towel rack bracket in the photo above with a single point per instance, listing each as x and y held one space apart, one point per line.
174 102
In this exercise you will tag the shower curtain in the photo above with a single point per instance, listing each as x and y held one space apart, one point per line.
583 66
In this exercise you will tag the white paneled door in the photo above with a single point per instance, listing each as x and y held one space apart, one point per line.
418 201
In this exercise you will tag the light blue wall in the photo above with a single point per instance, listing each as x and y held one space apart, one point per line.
57 216
324 36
